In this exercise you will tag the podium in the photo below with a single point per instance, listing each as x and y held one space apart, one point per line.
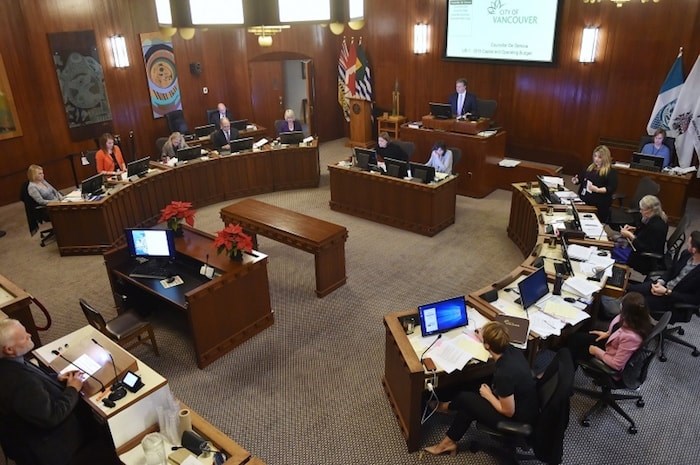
360 123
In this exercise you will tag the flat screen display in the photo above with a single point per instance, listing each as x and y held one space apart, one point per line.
533 288
365 157
293 137
92 185
511 30
442 316
138 167
150 243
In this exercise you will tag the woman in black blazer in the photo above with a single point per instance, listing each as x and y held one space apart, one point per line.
598 182
649 235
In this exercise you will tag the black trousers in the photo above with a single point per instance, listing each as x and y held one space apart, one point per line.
470 406
578 344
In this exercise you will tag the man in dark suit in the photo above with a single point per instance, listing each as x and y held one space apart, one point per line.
680 284
38 424
462 102
222 112
221 137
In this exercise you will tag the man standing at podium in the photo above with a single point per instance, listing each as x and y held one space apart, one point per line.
462 102
38 424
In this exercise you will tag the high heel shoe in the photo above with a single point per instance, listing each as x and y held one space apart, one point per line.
440 449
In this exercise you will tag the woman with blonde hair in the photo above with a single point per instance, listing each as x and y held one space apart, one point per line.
39 189
174 143
289 124
647 236
598 183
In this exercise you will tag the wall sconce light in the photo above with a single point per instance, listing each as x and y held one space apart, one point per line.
420 39
589 44
119 52
265 33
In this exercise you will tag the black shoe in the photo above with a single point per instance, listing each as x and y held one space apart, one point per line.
2 233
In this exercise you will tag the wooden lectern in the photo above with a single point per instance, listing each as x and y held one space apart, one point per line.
360 123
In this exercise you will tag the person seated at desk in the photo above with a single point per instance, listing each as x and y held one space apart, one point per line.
598 183
462 102
109 159
680 284
221 137
38 422
388 149
657 148
624 336
222 112
511 396
174 143
649 235
289 124
440 158
39 189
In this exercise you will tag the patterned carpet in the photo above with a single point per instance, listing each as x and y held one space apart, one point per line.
308 389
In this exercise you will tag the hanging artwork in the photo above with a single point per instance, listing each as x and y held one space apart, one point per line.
9 124
82 84
161 73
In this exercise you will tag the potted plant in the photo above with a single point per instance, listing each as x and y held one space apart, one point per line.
174 213
233 241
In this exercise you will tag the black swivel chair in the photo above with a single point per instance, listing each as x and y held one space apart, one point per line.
655 263
629 214
160 142
546 435
669 142
210 114
278 123
36 215
456 157
631 377
486 108
176 122
407 146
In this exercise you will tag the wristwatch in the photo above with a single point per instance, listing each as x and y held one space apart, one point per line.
668 291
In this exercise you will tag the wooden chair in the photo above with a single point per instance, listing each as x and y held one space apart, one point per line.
127 329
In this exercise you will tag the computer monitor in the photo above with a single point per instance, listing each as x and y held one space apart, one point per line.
441 110
644 161
240 124
425 173
364 158
294 137
565 255
577 218
150 243
396 168
204 131
544 189
138 167
92 185
239 145
439 317
189 153
533 288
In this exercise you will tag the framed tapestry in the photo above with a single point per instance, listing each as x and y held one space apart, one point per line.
161 73
9 123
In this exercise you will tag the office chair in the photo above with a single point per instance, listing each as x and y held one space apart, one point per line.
278 122
486 108
127 329
621 215
669 142
407 146
546 435
176 122
36 215
160 142
211 113
456 157
631 377
654 263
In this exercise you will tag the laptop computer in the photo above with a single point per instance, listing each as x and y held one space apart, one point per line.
442 316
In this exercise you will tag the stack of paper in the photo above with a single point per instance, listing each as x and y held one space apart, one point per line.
562 310
580 286
553 181
579 252
544 325
74 196
508 163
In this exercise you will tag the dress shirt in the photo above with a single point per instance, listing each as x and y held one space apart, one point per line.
689 266
442 164
663 152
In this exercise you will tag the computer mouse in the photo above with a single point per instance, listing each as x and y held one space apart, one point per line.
571 300
602 253
108 403
588 215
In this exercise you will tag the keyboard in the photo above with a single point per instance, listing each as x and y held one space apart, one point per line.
149 271
618 277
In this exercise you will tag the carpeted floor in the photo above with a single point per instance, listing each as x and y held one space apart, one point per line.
308 389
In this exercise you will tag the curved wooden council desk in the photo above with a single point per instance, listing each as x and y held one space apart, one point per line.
85 228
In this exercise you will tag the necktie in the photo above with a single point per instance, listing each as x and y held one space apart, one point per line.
460 104
226 134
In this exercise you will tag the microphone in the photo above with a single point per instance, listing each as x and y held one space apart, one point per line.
55 352
118 389
429 347
599 274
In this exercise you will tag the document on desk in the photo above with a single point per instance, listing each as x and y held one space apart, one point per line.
596 263
476 319
508 307
544 325
580 286
579 252
508 163
83 363
562 310
453 353
553 181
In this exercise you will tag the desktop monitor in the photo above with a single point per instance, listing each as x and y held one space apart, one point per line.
533 288
648 162
396 168
294 137
441 110
150 243
189 153
439 317
565 255
204 131
92 185
425 173
240 124
239 145
577 218
544 189
364 158
138 167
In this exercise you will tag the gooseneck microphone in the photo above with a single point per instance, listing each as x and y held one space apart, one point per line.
55 352
118 389
429 347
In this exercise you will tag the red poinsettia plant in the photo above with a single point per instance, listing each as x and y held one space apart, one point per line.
175 212
233 241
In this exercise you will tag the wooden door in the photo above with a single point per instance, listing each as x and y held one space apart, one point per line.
310 96
267 85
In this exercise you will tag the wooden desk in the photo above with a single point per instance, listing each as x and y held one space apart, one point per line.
404 378
222 313
14 303
85 228
323 239
673 193
479 173
422 208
